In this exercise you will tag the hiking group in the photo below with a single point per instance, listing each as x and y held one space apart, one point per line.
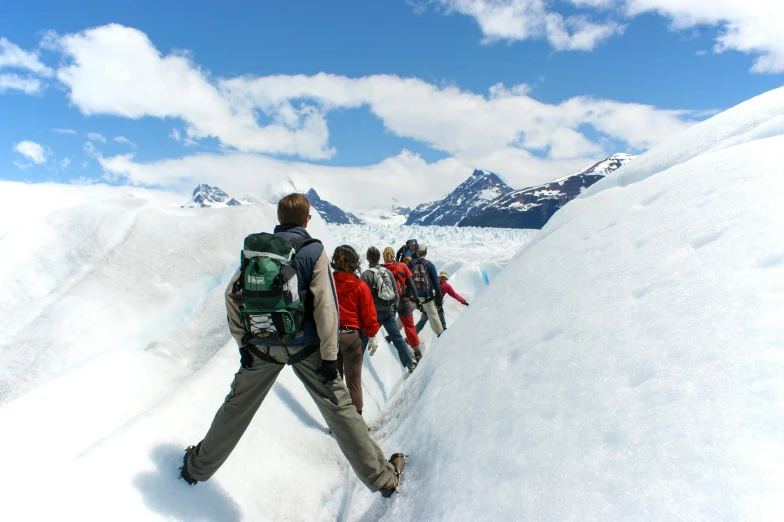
286 307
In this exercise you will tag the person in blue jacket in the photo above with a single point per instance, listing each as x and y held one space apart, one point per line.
429 298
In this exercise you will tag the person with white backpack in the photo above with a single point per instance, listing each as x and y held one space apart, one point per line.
385 292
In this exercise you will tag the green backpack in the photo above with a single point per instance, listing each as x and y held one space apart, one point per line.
272 308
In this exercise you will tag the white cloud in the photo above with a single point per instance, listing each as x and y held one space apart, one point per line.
117 70
65 163
748 26
406 176
12 56
91 151
64 131
31 150
533 20
466 123
175 135
96 136
19 83
125 141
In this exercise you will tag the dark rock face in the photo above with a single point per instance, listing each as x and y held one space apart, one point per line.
331 213
207 196
469 198
532 207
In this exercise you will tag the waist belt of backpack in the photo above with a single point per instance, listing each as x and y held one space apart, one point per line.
347 329
294 359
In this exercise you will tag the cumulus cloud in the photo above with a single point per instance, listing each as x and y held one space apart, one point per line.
117 70
406 176
533 20
32 151
14 57
19 83
466 123
96 136
748 26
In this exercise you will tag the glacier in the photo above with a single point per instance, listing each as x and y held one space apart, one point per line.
625 362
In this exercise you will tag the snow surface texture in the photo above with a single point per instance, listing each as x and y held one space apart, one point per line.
629 362
115 354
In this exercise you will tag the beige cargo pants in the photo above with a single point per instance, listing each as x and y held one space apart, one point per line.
251 384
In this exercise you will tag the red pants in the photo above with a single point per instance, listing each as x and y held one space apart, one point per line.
408 324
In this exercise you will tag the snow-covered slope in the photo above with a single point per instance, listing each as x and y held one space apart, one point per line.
469 197
115 355
531 207
629 363
329 212
207 196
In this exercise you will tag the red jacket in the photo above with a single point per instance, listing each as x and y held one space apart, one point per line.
355 303
404 279
446 288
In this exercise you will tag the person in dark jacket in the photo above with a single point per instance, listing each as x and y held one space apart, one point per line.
386 311
312 354
357 314
428 291
407 250
405 310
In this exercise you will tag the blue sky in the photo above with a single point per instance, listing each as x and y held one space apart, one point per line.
612 76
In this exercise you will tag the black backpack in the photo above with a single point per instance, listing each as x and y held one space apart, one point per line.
422 282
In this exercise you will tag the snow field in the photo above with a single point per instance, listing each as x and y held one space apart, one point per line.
134 363
628 367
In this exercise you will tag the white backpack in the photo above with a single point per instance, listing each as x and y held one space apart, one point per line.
384 286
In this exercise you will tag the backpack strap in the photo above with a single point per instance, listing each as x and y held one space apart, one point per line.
302 242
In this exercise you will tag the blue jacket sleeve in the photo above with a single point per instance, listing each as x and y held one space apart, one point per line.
431 271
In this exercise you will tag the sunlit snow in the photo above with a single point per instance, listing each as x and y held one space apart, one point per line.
624 363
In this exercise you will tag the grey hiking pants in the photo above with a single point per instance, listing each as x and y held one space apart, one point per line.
250 386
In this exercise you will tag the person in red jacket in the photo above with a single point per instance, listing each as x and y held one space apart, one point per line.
407 290
446 288
357 313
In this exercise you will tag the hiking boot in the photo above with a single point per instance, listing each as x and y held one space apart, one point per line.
417 354
184 470
398 461
411 366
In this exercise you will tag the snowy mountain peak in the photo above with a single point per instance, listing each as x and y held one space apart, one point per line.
531 207
469 198
206 196
329 212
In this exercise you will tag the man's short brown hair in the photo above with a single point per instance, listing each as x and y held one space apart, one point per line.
293 209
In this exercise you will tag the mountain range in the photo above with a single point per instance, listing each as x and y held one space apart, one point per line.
482 200
469 198
532 207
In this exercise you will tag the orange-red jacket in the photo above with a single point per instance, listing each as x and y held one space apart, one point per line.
355 303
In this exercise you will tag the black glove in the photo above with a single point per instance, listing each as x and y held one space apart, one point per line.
466 303
328 370
439 302
419 306
246 359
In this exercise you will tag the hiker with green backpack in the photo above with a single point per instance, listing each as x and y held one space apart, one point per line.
283 311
